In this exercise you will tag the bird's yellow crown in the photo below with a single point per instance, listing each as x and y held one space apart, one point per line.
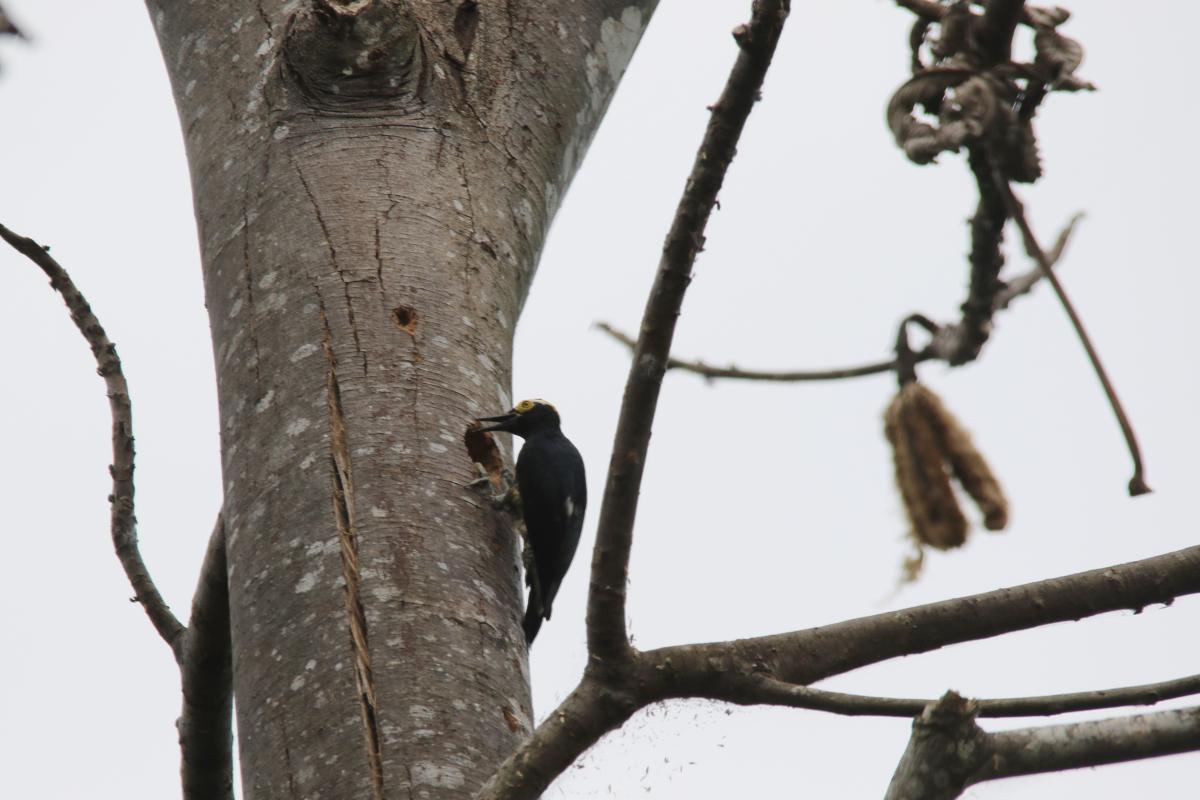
529 405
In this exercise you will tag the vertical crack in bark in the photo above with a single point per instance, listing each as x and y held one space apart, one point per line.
287 757
358 348
343 510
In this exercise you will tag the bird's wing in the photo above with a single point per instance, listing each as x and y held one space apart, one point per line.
554 499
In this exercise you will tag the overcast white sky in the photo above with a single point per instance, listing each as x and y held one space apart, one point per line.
765 507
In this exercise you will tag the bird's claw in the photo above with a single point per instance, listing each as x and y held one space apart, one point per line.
508 499
483 478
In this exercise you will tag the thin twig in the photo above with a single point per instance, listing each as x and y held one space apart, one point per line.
206 672
945 343
764 690
608 639
1023 283
124 531
1016 210
710 372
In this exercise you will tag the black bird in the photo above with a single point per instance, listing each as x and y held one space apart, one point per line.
553 492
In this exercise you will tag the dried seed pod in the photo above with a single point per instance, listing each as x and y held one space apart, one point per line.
966 462
921 475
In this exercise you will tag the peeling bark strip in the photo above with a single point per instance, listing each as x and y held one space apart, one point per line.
342 493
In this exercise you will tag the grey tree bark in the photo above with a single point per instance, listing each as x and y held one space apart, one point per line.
373 181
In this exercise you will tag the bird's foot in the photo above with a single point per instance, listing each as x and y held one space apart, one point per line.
484 477
508 499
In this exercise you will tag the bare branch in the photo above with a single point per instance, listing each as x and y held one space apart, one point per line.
1091 744
758 670
949 752
700 368
124 530
206 672
607 635
1137 483
764 690
807 656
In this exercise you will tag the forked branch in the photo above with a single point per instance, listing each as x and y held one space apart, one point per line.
765 669
949 752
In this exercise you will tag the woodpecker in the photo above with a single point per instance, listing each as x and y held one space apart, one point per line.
553 492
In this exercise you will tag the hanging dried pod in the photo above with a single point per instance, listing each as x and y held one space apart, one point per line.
930 447
920 473
966 462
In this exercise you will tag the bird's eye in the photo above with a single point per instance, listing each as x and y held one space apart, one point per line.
525 405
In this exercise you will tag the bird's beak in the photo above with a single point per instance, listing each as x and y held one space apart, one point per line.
502 422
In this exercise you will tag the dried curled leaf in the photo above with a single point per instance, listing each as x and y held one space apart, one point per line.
954 31
1057 56
976 100
1047 17
971 108
921 141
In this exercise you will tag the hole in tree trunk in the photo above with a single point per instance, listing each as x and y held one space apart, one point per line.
406 318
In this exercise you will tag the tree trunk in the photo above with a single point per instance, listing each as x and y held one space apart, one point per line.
373 181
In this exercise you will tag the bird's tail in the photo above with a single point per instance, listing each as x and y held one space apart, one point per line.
533 620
